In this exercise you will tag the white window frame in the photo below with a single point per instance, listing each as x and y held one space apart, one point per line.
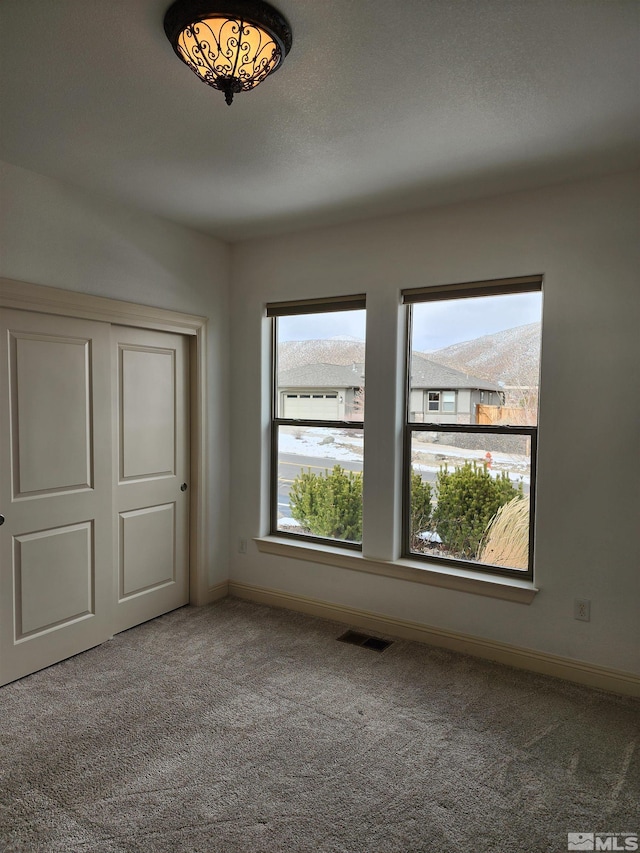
441 402
436 394
444 402
388 559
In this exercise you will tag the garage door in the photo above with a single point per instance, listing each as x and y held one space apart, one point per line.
318 406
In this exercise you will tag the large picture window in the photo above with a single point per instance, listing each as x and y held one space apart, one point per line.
471 427
318 419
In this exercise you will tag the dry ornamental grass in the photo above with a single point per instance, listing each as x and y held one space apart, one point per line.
506 539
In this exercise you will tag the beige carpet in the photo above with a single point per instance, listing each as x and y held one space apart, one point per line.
238 727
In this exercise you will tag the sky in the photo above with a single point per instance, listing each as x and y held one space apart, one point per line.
435 325
310 327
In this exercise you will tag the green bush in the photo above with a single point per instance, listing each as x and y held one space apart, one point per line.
329 504
467 500
420 508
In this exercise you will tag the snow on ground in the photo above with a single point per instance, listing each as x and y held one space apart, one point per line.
430 536
349 448
462 453
346 448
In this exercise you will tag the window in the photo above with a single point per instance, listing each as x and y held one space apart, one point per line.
448 401
470 429
441 401
433 401
470 455
318 419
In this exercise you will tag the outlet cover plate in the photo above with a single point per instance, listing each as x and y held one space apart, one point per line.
582 609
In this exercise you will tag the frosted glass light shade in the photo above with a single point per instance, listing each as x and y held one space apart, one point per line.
230 51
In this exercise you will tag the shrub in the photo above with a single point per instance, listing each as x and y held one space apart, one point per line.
506 539
421 508
467 499
329 504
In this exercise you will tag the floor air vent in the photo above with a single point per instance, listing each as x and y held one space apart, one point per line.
364 640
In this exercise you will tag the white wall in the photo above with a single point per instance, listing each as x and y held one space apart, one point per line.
59 236
584 238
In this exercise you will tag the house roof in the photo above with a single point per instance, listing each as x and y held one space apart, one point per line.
424 373
322 376
429 374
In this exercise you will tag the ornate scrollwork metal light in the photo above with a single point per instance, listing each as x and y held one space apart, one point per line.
232 45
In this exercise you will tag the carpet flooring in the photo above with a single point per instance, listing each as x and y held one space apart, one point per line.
239 727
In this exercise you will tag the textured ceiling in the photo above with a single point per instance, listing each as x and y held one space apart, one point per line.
381 106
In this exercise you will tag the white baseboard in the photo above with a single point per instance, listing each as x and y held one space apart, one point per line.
214 593
603 678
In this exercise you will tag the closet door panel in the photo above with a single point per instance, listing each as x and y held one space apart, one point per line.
151 462
56 548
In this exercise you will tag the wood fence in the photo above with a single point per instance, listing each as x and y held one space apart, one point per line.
517 416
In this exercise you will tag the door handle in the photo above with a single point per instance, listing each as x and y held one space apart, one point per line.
183 487
1 520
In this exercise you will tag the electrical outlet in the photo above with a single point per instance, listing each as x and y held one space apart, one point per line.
582 609
242 546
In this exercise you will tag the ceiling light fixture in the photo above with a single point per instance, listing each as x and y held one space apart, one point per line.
232 45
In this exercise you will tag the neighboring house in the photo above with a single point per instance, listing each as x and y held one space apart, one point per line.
441 394
320 391
332 392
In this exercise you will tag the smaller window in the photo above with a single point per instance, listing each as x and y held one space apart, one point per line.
448 401
434 401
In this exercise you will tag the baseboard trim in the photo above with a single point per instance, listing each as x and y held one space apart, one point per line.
215 593
603 678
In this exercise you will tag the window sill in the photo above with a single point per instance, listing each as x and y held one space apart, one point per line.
449 577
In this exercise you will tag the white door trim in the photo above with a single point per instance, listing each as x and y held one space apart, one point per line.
67 303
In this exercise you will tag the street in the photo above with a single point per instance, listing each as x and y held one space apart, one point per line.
291 465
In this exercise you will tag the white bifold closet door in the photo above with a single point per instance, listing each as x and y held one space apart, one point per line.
93 451
151 467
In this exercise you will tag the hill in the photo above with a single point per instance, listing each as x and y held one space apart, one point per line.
511 356
333 351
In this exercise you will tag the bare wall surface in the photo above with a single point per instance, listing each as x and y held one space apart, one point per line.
584 238
59 236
